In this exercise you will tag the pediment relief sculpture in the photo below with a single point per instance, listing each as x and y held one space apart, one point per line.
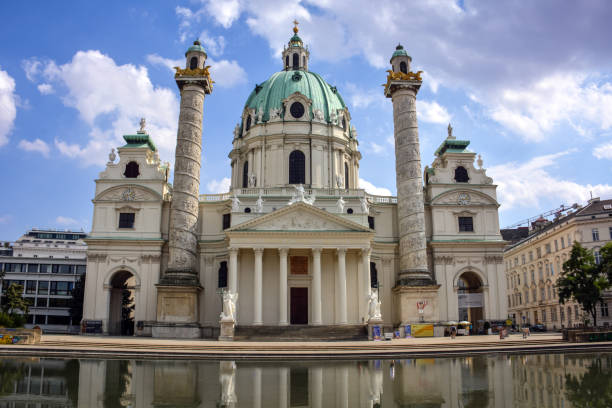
127 194
463 198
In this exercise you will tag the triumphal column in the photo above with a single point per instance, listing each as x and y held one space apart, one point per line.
415 284
179 286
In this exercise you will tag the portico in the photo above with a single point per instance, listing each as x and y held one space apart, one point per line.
272 270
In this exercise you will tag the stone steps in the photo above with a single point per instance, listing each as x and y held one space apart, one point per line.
300 333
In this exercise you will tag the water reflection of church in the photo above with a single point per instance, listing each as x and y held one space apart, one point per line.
505 381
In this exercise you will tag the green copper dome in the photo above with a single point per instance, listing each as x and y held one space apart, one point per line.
400 51
195 47
271 93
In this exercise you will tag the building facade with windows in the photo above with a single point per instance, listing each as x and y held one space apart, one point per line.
295 240
47 263
533 266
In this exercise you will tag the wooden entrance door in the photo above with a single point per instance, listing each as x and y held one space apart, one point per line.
299 305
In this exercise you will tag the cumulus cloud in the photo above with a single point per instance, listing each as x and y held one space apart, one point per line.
603 151
35 146
372 189
45 89
226 74
432 112
482 48
111 99
218 186
527 184
8 105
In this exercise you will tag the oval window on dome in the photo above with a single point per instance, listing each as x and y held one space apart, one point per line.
297 110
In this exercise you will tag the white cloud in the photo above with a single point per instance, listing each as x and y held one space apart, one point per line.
603 151
224 12
362 98
226 74
35 146
219 186
432 112
526 184
111 99
66 221
213 45
46 89
8 105
533 112
372 189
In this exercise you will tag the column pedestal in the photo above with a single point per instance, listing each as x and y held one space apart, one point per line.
177 312
227 330
407 298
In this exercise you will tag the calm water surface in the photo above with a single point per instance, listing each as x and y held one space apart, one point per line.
553 380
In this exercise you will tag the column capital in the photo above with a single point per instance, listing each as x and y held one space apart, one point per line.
258 250
317 251
366 251
341 251
283 251
233 250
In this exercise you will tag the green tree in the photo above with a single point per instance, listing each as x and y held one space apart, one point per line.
583 280
606 260
15 301
76 302
593 389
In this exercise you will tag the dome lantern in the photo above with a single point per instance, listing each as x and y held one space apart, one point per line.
195 56
400 60
295 55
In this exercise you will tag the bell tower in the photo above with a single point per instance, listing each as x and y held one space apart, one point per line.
415 282
179 285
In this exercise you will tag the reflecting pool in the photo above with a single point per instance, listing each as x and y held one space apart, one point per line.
551 380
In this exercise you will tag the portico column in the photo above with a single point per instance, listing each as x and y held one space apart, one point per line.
233 270
367 286
316 287
341 291
257 287
282 293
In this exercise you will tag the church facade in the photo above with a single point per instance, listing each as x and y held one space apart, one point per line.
295 242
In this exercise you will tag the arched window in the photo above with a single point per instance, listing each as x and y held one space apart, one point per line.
193 64
461 175
346 176
222 275
287 62
248 124
297 167
131 170
245 175
403 67
296 61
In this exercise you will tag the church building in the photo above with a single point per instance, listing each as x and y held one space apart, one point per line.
295 244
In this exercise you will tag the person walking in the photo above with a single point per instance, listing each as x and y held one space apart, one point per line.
453 332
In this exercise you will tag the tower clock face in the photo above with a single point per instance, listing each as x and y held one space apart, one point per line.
463 199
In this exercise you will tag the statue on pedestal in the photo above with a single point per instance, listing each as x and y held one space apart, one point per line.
229 306
374 307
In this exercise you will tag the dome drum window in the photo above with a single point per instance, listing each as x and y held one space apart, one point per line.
297 110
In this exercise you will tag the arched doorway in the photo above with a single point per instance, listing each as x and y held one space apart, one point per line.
121 308
471 300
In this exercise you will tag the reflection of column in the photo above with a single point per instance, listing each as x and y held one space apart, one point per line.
257 388
317 387
283 385
316 287
343 387
227 378
341 291
365 265
282 293
233 270
257 287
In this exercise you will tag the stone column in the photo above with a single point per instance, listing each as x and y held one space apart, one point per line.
317 387
233 270
282 285
257 388
184 208
367 288
316 287
410 207
341 289
257 287
283 387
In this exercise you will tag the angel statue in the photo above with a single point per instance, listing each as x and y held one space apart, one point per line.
235 203
340 205
229 306
374 306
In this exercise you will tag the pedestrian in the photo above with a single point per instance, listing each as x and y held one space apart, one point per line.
501 333
453 332
524 331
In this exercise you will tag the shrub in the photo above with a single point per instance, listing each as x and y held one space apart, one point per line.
12 320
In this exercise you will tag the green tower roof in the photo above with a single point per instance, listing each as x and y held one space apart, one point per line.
453 146
400 51
139 140
195 47
271 93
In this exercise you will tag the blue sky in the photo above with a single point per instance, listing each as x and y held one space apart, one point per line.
529 83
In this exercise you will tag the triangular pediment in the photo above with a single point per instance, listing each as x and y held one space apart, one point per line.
300 217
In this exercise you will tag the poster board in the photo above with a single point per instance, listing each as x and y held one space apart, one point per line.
422 330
